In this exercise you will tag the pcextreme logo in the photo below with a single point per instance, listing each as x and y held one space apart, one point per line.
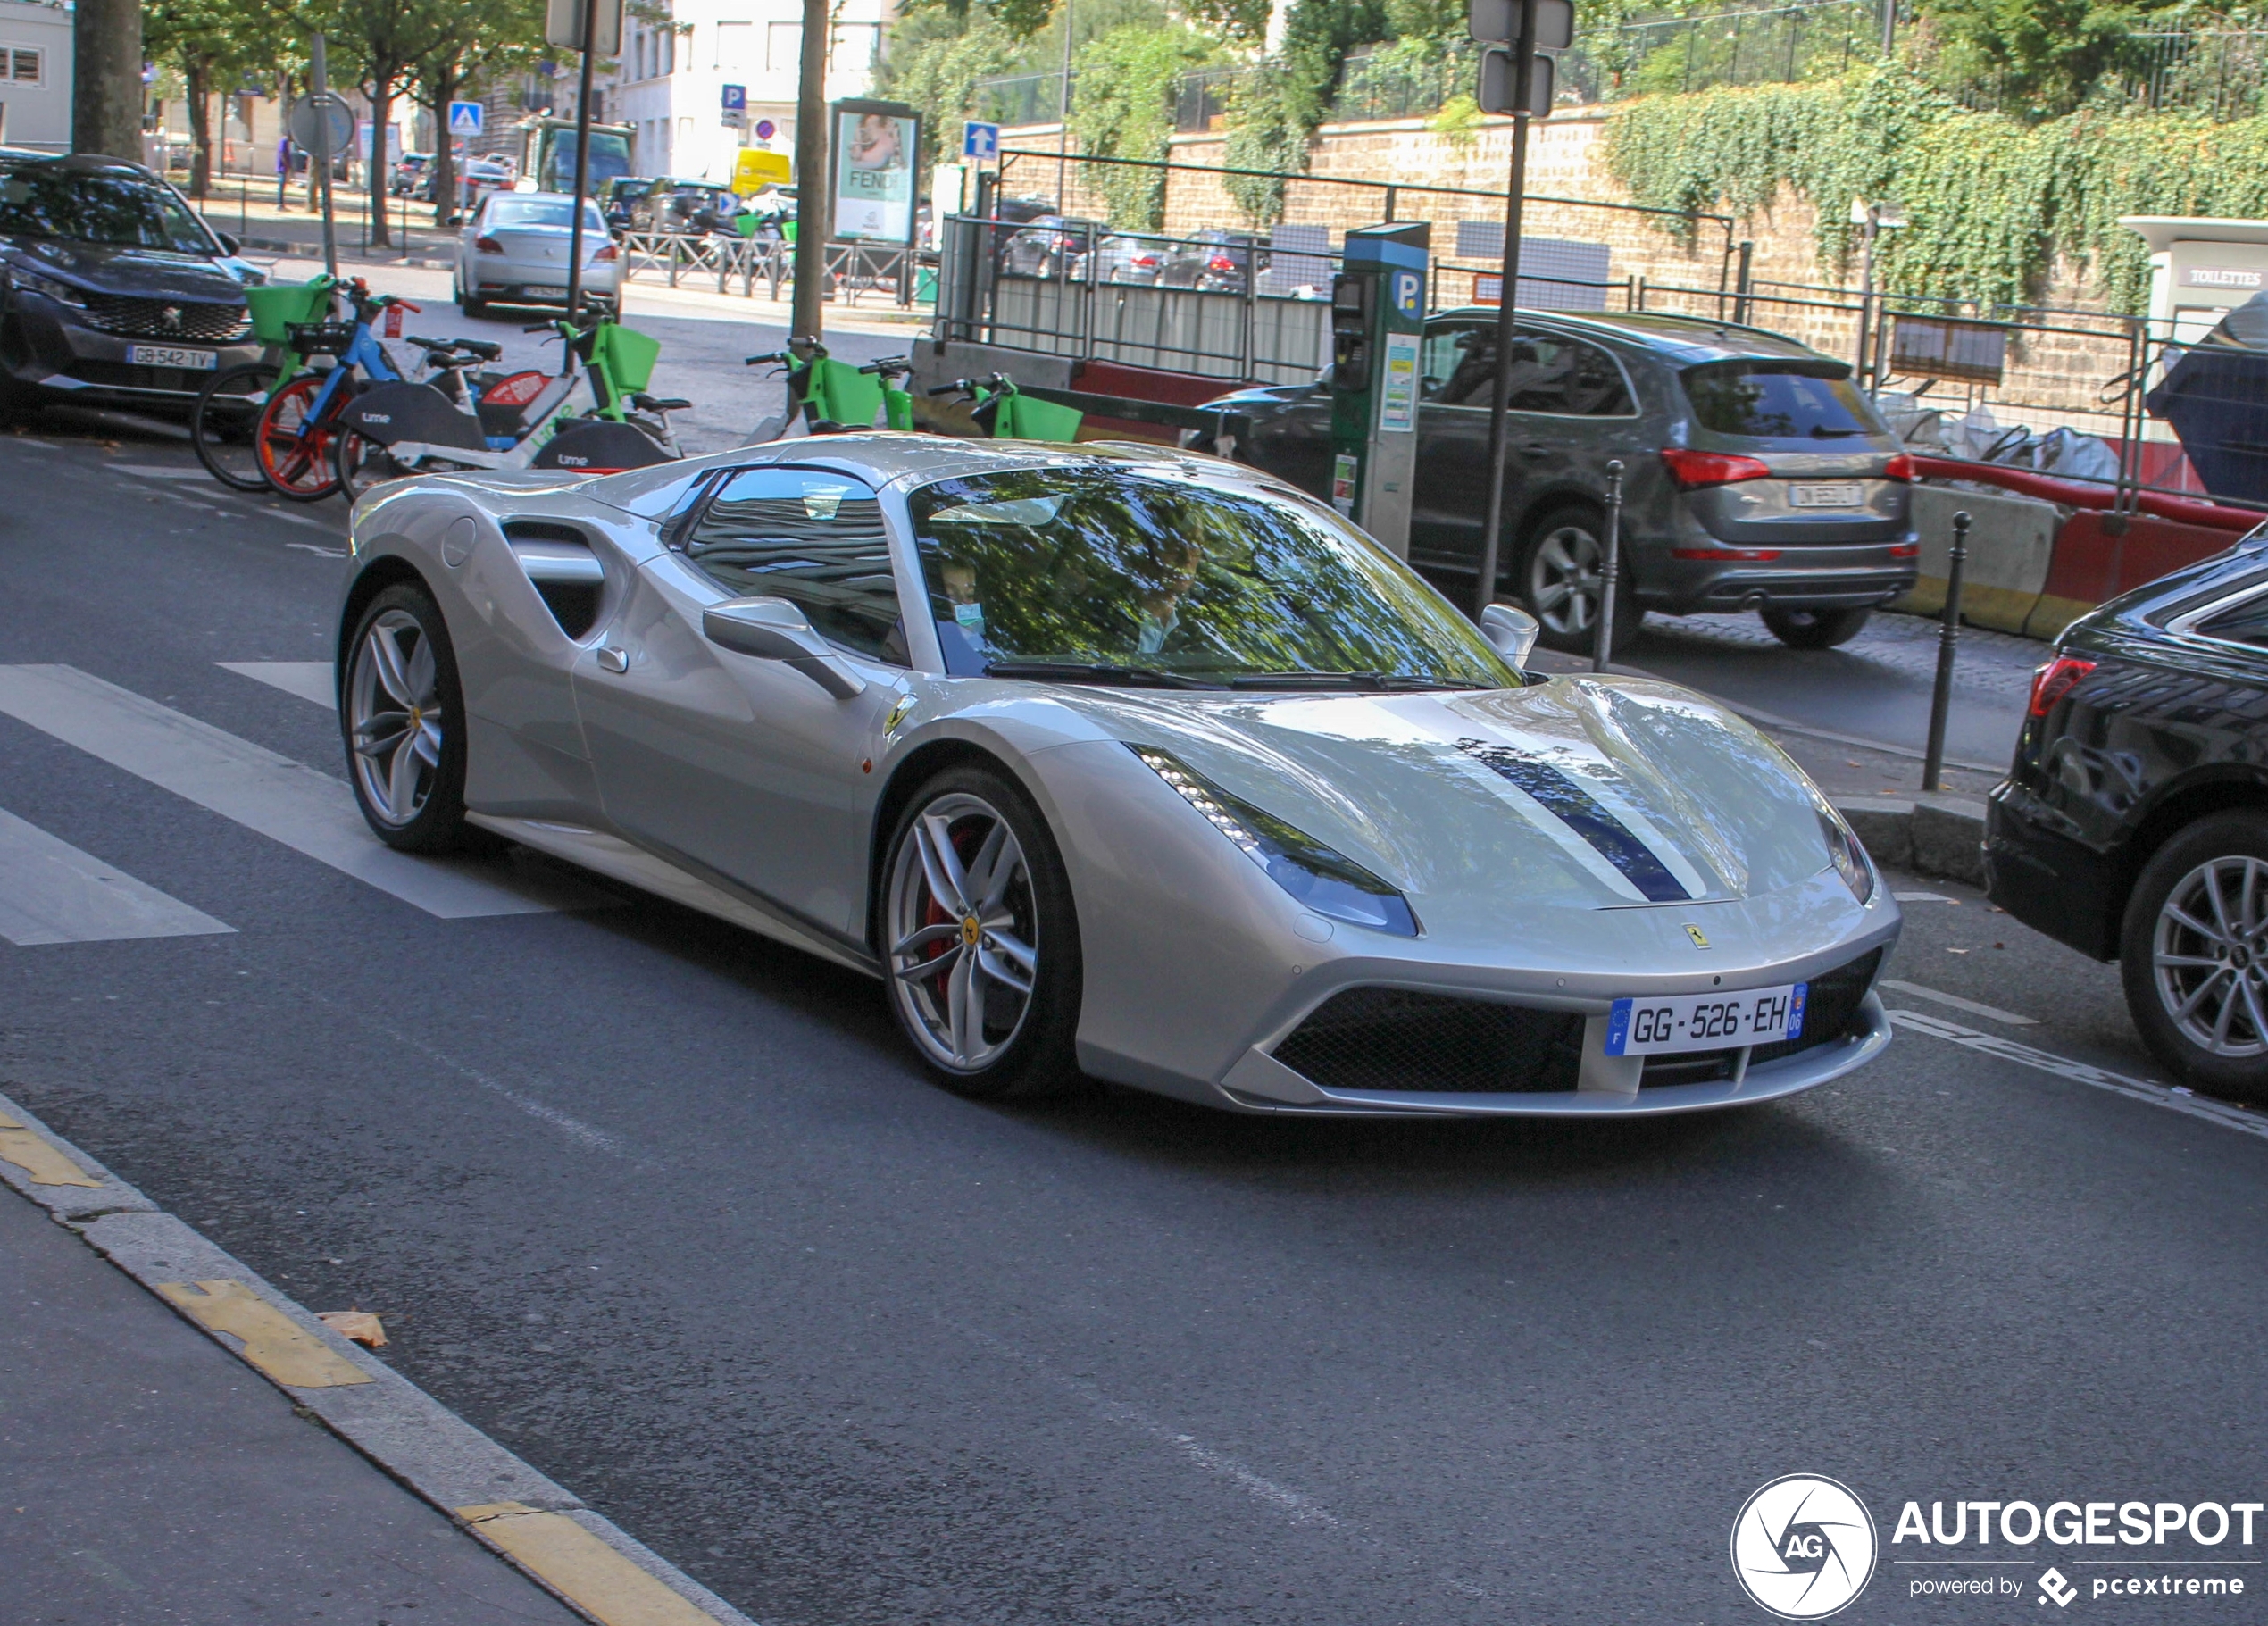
1803 1547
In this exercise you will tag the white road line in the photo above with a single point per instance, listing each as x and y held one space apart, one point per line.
308 680
1920 898
285 801
1992 1011
51 892
168 472
2081 1072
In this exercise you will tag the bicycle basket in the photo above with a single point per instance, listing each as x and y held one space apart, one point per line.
1027 418
321 338
279 307
844 394
629 355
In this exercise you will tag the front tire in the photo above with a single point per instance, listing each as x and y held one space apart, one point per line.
2194 954
359 462
980 942
1815 628
402 713
295 453
224 425
1562 581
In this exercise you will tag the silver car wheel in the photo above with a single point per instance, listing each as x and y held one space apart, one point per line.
963 932
2209 956
394 717
1564 578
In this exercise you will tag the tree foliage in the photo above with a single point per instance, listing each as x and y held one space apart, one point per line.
1127 80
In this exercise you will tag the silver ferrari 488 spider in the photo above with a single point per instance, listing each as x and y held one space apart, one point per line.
1111 761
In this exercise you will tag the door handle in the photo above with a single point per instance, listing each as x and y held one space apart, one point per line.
613 660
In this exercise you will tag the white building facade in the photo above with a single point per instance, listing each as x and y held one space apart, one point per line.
670 81
35 77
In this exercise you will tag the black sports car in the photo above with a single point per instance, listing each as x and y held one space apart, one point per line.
2134 825
113 290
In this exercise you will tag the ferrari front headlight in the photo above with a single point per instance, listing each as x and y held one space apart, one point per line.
1844 850
1319 877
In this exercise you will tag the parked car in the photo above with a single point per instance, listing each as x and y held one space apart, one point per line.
1131 260
1052 245
694 207
1756 476
413 175
1213 261
1096 759
116 291
2133 825
514 252
615 203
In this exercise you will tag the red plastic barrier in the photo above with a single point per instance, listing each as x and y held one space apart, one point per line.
2093 562
2087 494
1149 384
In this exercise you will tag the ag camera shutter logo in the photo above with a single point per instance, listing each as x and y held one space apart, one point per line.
1802 1548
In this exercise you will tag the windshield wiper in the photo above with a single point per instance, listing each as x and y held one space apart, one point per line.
1820 431
1343 680
1095 671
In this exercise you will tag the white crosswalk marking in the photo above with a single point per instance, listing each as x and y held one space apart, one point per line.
51 892
308 680
285 801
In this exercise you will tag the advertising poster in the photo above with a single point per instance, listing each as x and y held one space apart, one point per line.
874 152
1397 393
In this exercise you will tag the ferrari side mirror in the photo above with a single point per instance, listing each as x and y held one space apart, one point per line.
774 630
1511 632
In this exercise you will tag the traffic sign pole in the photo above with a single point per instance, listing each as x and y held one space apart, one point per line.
320 84
582 179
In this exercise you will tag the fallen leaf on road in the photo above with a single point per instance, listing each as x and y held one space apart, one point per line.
1957 951
363 1326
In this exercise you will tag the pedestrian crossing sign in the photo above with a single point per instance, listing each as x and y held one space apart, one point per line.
464 117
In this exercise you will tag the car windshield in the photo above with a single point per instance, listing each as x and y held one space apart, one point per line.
542 212
1123 576
1767 401
116 210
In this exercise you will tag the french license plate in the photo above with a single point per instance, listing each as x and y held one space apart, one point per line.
160 355
1847 494
545 291
1706 1021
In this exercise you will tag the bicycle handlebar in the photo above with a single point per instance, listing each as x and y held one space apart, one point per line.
890 366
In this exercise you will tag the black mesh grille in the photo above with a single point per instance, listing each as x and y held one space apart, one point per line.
1392 1039
203 321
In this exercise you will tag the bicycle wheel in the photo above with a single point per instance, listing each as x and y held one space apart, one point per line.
359 462
224 423
295 453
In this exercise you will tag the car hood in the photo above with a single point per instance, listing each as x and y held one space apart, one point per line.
1580 793
148 273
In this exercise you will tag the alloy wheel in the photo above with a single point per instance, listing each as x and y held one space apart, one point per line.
2209 956
963 932
395 719
1564 580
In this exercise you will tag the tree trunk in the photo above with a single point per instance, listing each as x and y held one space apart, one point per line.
196 75
811 171
106 79
444 89
379 172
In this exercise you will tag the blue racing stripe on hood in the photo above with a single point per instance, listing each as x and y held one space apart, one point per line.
1583 814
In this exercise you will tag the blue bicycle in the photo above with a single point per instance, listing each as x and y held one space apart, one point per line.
301 418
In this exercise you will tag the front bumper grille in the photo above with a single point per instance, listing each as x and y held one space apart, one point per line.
1398 1039
197 320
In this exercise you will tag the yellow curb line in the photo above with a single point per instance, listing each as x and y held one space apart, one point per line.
579 1567
272 1341
42 1161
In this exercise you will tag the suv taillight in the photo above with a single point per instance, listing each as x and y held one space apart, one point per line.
2055 680
487 245
606 252
1220 263
1694 469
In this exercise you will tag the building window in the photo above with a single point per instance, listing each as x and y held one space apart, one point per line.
855 46
24 66
732 46
784 47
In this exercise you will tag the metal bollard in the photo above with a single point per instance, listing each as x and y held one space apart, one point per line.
1949 637
1610 567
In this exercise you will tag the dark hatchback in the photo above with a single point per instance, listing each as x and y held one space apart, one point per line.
1756 477
113 292
2134 825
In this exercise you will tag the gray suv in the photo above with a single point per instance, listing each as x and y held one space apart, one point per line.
1756 477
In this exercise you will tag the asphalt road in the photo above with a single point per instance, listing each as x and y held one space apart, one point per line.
673 1213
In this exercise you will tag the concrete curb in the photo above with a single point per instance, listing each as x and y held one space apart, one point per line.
389 1420
1930 835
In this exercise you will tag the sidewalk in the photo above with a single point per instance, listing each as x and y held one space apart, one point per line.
150 1473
